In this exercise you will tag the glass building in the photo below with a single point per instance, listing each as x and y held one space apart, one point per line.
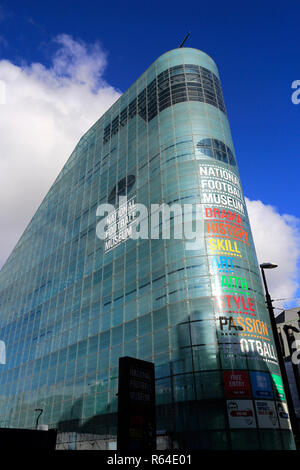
72 303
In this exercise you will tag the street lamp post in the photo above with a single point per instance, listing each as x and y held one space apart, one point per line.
281 364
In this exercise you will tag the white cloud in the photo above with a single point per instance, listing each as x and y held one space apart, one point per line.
45 113
277 240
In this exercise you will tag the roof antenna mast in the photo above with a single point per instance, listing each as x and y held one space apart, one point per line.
184 39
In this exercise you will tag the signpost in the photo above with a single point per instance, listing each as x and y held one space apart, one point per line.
136 405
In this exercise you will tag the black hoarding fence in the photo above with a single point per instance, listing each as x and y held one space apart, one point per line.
27 439
136 405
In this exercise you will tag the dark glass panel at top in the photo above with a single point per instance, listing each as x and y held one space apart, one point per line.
174 85
216 149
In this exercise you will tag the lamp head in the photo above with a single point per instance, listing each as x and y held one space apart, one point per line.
268 266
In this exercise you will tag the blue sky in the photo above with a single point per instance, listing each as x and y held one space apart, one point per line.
255 45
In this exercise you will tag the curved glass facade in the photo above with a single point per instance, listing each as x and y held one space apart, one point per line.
71 303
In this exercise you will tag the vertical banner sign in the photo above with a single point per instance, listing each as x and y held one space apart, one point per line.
241 322
242 329
136 405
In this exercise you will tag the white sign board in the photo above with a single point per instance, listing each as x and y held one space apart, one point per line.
283 415
266 414
241 414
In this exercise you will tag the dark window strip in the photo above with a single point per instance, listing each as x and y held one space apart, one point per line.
177 84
